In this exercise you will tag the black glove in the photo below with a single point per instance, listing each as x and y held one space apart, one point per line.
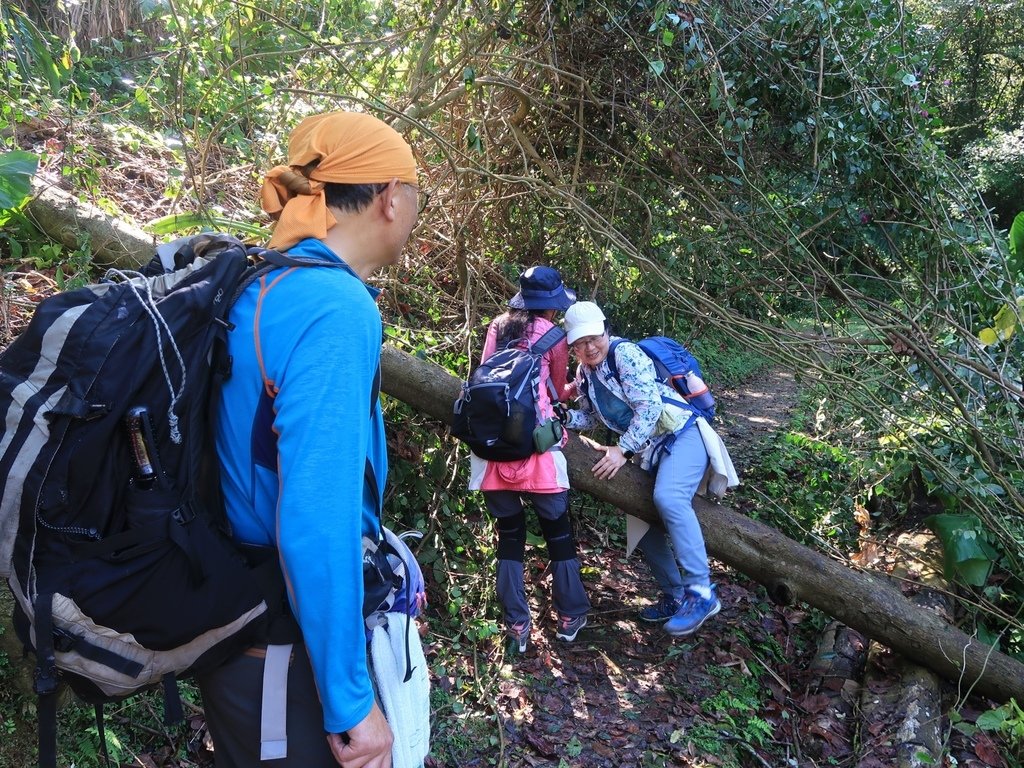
561 412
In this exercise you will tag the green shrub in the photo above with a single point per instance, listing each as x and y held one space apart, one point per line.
997 164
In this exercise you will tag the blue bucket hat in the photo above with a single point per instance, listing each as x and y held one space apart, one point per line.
542 288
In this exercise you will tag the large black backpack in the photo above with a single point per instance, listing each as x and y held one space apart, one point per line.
112 537
496 412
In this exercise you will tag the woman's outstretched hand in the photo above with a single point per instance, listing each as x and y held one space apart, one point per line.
608 465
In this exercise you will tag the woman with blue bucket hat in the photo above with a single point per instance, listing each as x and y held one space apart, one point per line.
540 479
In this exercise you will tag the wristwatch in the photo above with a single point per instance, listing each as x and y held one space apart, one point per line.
628 454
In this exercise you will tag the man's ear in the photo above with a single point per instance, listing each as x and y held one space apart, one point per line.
386 199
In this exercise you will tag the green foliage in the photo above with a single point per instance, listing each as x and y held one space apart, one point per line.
975 80
729 716
968 555
997 164
726 360
736 705
456 737
34 63
16 171
1016 245
812 484
1004 324
1007 721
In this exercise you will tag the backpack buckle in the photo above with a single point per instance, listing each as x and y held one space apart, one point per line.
183 515
63 640
44 678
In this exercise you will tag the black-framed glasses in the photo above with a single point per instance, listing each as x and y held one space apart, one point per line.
422 197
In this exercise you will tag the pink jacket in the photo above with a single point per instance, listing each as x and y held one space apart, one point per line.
541 472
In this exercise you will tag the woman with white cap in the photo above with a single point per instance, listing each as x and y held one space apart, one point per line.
654 423
542 478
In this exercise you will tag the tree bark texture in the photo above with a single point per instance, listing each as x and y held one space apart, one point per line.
67 219
790 571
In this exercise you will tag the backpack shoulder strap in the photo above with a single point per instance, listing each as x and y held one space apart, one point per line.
551 337
274 259
279 259
613 366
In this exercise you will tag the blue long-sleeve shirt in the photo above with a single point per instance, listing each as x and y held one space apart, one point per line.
319 336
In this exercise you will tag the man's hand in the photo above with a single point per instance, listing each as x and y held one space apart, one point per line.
368 745
608 465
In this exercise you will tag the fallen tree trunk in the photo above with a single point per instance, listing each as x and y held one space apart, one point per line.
69 220
790 571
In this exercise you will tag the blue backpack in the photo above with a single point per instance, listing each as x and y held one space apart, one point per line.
672 362
496 412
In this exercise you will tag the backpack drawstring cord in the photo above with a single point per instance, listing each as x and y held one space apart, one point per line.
149 304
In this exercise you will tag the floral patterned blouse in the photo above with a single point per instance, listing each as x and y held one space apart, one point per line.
631 405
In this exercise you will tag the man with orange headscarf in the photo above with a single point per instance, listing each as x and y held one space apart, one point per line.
301 441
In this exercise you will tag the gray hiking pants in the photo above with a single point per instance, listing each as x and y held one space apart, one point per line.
568 594
678 474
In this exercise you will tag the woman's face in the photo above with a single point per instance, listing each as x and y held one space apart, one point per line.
591 350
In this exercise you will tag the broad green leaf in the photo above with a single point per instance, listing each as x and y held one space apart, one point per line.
991 720
16 171
1017 235
1005 322
965 553
657 67
473 140
1017 244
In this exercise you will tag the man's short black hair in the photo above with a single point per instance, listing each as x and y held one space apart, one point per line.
347 197
351 197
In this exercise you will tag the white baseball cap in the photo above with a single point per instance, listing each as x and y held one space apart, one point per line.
582 319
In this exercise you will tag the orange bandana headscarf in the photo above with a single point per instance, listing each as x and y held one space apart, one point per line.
353 148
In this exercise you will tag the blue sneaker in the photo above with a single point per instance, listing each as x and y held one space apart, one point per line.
661 611
693 612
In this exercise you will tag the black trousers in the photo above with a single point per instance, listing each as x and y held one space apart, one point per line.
232 701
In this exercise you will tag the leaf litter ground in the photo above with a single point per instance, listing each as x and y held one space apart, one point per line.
739 692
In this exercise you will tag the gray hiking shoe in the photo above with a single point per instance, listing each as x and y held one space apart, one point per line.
519 634
569 627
